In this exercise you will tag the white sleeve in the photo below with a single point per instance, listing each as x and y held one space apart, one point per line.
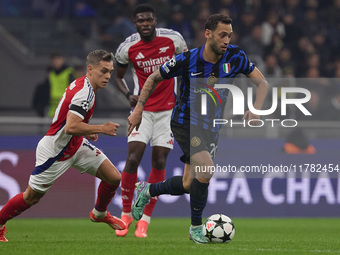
82 102
180 44
122 54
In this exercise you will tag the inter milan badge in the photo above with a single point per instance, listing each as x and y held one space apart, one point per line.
211 80
195 141
85 105
226 67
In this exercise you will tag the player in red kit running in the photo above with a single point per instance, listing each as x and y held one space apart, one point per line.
145 51
66 144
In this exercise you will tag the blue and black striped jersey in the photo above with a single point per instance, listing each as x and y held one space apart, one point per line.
200 76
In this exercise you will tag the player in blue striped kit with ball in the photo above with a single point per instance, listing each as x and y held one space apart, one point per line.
194 132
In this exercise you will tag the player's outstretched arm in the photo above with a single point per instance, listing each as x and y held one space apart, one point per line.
75 126
149 86
261 92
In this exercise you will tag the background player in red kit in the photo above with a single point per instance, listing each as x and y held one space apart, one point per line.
64 146
145 51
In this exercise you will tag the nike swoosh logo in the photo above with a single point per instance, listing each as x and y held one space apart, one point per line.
194 74
137 204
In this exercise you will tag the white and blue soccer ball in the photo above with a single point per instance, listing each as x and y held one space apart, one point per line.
219 228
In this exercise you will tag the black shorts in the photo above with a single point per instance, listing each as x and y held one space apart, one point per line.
193 140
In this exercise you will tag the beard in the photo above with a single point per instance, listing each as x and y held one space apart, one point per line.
216 49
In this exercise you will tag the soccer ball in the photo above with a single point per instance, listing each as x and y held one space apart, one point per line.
219 228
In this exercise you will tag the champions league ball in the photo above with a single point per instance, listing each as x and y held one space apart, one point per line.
219 228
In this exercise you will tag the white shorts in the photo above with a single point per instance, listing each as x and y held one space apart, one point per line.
155 127
88 158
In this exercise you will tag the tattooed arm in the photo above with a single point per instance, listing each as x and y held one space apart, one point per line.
149 86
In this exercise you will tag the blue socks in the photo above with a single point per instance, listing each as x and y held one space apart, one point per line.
172 186
198 200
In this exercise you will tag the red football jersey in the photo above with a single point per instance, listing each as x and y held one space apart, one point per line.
79 98
146 57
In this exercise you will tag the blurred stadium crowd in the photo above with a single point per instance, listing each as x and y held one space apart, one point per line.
291 38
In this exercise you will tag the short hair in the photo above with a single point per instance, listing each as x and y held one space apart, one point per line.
94 57
143 8
213 20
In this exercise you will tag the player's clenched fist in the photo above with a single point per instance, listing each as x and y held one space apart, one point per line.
110 128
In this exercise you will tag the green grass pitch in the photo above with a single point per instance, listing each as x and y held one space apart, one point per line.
170 236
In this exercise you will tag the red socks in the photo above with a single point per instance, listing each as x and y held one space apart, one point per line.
155 176
127 190
106 192
15 206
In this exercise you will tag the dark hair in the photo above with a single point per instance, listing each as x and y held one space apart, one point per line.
143 8
94 57
214 19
